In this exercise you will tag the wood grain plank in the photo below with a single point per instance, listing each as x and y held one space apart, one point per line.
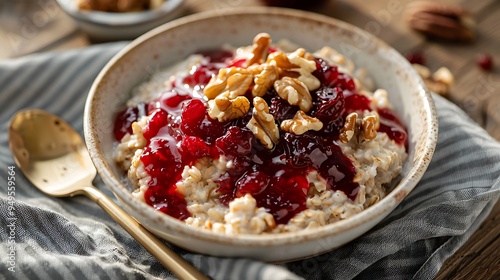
383 19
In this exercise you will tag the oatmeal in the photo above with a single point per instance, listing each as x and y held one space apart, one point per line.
260 139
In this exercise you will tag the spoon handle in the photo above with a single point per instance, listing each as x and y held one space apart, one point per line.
171 260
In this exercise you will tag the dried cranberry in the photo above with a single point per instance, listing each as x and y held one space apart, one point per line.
172 99
345 82
193 148
281 109
158 120
200 76
325 73
356 102
416 57
196 122
485 61
124 120
236 142
331 105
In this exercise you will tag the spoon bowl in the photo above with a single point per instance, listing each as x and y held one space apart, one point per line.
53 156
51 153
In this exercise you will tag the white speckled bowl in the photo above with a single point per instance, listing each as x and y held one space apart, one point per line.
177 39
103 26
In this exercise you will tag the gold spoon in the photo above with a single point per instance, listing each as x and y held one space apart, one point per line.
52 155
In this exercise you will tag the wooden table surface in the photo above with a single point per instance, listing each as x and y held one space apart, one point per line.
38 26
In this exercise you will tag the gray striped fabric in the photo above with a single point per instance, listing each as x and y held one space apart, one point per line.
74 239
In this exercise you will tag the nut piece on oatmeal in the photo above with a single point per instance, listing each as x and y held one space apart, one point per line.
306 67
262 124
350 128
224 109
265 79
301 123
231 81
353 126
281 60
370 125
295 92
260 46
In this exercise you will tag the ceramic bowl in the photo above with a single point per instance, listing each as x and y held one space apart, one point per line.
176 40
103 26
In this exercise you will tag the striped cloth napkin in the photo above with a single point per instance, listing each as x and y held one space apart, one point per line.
50 238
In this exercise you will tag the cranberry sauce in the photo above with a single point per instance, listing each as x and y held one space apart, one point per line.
181 132
124 120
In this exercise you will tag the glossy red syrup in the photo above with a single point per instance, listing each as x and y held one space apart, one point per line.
181 132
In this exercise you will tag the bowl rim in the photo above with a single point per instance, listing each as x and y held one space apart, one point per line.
119 19
391 200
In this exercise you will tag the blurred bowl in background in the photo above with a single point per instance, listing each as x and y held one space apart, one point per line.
104 26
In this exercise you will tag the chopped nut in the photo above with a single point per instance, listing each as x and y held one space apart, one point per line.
306 67
301 123
281 60
233 81
262 124
370 125
354 125
224 109
261 44
296 65
350 128
238 84
440 82
443 75
295 92
265 79
437 87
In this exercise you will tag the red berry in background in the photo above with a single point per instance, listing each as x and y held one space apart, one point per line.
485 61
416 57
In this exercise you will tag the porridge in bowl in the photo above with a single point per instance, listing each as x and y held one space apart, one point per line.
265 138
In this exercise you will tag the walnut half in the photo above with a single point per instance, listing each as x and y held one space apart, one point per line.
295 92
261 44
232 82
223 109
301 123
262 124
350 128
354 127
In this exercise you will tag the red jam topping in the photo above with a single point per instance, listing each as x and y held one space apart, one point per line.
181 131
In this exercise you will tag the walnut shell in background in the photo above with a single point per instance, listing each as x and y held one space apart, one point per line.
441 21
